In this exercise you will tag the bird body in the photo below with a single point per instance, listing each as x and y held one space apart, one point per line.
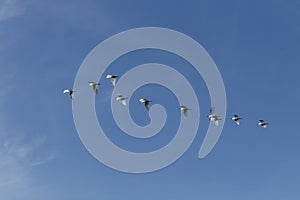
214 118
71 93
185 110
113 79
262 123
146 103
94 86
236 118
122 99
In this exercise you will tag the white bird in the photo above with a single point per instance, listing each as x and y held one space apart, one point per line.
113 79
262 123
236 118
71 93
146 102
122 99
94 86
185 110
215 119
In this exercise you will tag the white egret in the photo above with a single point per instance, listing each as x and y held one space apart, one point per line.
262 123
71 93
236 118
94 85
122 99
146 103
185 110
113 79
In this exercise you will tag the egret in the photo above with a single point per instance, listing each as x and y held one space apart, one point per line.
185 110
236 118
122 99
71 93
146 102
94 86
215 119
113 79
262 123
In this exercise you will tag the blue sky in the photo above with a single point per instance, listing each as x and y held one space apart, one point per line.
255 45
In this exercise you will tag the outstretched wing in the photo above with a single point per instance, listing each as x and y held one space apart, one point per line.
147 105
212 110
95 88
113 81
123 101
216 121
72 95
185 112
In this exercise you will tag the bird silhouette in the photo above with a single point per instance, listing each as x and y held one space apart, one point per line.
94 85
236 119
122 99
185 110
71 93
113 79
146 103
212 117
262 123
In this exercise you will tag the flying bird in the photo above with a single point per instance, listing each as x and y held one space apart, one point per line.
71 93
212 117
94 86
113 79
236 118
262 123
215 120
122 99
185 110
146 102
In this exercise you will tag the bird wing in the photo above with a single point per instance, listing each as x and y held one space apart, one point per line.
118 98
92 83
216 121
183 107
185 112
123 101
66 91
113 81
143 100
95 88
147 105
72 95
212 110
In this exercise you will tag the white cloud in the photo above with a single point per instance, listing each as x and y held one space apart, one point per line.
9 9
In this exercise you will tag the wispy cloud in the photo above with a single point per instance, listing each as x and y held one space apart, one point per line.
26 151
10 171
19 152
43 160
17 156
9 9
